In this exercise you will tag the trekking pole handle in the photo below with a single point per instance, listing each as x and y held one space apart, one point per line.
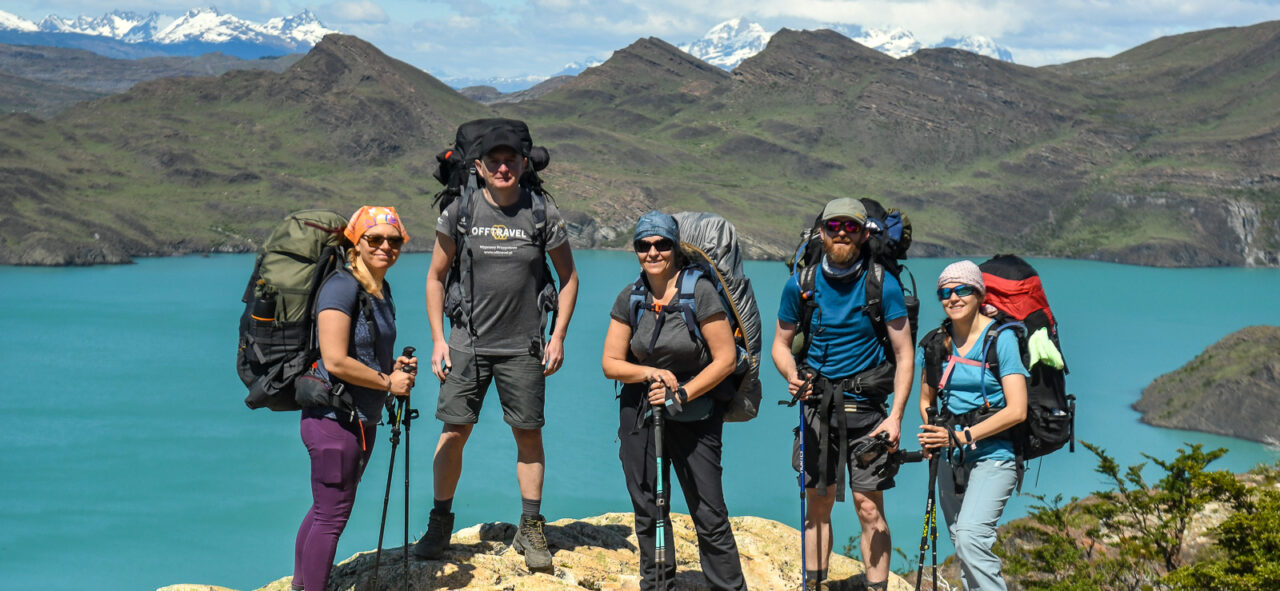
408 352
809 375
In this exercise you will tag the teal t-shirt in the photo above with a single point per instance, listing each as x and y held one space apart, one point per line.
844 339
966 385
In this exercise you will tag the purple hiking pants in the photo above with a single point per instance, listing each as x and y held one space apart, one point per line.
339 452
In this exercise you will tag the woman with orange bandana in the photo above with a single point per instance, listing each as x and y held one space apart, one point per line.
356 328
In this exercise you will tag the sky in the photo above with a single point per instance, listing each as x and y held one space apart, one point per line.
512 38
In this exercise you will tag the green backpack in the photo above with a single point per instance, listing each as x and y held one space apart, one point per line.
277 329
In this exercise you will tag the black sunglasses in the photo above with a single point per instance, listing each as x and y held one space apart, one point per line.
376 241
663 245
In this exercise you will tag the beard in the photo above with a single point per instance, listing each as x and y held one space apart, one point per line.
840 254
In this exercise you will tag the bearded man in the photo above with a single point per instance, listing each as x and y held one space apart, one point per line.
858 356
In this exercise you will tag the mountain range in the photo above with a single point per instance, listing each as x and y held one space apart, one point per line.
729 43
124 34
1165 154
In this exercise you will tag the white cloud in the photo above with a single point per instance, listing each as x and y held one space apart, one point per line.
355 11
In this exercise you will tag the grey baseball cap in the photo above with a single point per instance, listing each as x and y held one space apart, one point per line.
844 207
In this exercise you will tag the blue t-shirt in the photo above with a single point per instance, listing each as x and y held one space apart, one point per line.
964 388
341 292
844 339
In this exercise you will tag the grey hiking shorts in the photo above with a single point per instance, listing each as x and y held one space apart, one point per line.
859 426
521 389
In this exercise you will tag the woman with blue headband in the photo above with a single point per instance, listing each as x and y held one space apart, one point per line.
673 379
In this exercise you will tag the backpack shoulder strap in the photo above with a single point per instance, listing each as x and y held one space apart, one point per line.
539 210
686 281
874 307
989 344
808 280
635 302
874 287
934 348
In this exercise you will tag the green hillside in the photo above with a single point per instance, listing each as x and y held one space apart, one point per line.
1163 155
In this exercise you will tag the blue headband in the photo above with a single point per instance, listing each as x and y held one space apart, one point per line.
656 223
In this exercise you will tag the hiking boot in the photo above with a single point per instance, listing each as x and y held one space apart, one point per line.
532 542
433 543
815 585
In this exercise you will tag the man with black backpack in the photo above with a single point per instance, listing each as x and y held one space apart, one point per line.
497 325
856 352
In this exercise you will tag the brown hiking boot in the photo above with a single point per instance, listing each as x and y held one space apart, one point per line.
815 585
532 542
436 540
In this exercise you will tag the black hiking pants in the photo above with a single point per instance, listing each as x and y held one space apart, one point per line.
693 449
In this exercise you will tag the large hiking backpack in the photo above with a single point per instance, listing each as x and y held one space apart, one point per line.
710 245
277 329
457 172
1015 291
886 249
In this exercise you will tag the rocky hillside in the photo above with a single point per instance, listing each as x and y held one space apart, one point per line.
1163 155
597 553
1232 388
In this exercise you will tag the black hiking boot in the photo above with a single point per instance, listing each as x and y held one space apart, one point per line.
532 542
436 540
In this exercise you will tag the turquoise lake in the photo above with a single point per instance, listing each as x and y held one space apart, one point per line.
131 462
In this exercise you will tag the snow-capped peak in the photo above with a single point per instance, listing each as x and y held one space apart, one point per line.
978 44
304 26
575 68
896 42
730 42
206 25
13 22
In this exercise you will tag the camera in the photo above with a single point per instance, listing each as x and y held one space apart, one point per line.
866 452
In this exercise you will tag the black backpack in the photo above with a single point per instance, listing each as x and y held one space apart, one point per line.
277 343
457 172
884 250
710 245
1015 291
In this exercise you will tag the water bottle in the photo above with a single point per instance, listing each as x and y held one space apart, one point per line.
264 305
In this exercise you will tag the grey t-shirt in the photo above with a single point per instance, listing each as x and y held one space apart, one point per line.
676 349
507 268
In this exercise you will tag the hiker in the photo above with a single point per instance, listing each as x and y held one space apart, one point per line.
356 351
504 342
979 472
664 368
844 379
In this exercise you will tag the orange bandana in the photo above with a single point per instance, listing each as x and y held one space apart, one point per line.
370 216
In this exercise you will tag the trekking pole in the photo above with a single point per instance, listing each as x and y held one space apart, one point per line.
804 559
804 564
395 414
409 415
930 514
660 547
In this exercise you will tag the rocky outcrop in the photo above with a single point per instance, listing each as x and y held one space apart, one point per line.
597 553
1232 388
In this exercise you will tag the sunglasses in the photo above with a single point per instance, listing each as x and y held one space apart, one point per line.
495 165
964 291
663 245
375 241
850 226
